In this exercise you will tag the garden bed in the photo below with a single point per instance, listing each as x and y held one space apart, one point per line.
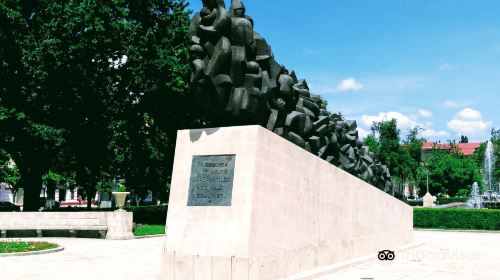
10 247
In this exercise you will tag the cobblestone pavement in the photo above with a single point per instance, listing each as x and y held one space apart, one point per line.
445 255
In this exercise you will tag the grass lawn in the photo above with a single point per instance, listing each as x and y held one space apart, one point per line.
23 246
141 230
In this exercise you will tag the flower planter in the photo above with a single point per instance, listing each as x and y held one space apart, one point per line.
120 198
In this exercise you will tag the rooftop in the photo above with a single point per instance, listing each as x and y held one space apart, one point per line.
467 149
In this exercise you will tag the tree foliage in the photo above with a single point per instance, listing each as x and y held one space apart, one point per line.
451 171
98 85
403 157
9 173
390 151
371 142
495 139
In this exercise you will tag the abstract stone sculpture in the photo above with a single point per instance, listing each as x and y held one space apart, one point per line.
236 80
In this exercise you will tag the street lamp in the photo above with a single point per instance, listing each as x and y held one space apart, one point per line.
427 173
428 200
427 180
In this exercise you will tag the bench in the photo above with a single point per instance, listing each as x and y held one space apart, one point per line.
40 221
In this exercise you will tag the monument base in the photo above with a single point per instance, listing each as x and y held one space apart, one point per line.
428 200
289 211
120 223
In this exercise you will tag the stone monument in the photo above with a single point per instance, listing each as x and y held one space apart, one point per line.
235 80
288 187
248 204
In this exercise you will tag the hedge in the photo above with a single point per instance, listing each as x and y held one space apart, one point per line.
149 215
448 200
456 218
415 202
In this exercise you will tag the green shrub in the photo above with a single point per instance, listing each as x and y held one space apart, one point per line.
456 218
448 200
149 215
414 202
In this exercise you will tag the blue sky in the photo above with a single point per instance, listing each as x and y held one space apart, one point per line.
431 63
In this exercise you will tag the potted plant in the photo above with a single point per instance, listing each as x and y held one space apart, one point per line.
120 196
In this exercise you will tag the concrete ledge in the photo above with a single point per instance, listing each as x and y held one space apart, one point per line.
458 230
42 252
112 225
149 236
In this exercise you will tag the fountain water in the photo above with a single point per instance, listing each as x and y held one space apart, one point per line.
489 165
475 200
491 197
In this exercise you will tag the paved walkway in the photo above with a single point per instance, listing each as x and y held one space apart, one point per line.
445 255
89 259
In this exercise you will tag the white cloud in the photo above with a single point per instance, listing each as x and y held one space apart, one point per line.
469 114
422 120
328 83
425 113
404 121
363 132
456 104
431 133
469 122
349 84
444 67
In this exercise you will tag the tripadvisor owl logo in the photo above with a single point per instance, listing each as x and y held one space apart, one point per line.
386 255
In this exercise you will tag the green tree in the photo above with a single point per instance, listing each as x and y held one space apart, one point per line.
372 143
27 130
451 171
413 158
403 158
392 154
157 51
495 139
83 73
9 173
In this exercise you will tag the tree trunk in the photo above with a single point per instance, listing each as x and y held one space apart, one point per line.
32 185
90 196
14 194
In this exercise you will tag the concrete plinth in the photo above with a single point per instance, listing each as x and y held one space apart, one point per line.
120 223
290 211
428 200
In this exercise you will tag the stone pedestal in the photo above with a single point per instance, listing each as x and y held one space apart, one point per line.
289 211
428 200
120 223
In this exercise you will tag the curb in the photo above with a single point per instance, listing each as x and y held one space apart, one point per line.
149 236
457 230
42 252
326 270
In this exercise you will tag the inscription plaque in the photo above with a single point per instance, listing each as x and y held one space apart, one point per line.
211 181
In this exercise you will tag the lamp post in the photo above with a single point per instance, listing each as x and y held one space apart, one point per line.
428 200
427 179
427 174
